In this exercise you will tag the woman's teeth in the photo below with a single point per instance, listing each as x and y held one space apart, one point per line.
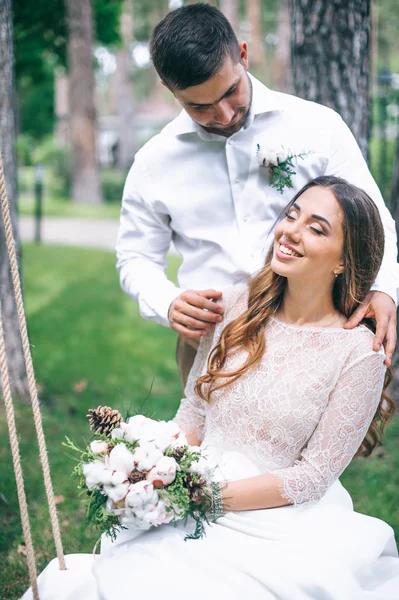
286 250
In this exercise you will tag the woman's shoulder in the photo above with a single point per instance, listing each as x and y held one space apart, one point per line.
235 299
360 346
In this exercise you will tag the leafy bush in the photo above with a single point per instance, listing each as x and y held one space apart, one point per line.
24 147
112 183
56 157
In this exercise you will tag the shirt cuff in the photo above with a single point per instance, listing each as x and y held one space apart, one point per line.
387 282
157 308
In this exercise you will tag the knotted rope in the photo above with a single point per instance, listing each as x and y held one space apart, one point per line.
34 401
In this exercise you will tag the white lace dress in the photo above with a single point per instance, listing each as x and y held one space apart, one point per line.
300 414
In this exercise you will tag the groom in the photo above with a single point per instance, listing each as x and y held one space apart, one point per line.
200 184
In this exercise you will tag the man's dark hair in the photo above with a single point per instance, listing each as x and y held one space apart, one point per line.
190 45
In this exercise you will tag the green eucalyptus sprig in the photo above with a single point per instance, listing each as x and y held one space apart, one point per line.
280 165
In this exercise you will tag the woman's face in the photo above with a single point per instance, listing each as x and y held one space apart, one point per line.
308 242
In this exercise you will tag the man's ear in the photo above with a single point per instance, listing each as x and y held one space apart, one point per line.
244 54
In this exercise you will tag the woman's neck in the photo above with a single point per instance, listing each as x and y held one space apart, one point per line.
303 305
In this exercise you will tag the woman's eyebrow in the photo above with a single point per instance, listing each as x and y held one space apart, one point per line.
318 217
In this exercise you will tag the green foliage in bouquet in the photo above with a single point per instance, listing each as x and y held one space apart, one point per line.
95 500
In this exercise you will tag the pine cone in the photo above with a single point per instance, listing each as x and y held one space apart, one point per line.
178 454
103 419
192 483
136 476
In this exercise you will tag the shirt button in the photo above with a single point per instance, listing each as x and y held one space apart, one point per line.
237 180
230 142
245 219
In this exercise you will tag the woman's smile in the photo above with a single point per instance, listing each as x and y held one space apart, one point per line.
286 252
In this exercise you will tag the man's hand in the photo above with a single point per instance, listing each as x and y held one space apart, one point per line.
381 307
193 313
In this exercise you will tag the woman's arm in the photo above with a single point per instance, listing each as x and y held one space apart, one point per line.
335 441
191 413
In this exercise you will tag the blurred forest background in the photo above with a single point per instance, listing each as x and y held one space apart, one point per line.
79 97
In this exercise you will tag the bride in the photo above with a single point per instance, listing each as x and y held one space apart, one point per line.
281 398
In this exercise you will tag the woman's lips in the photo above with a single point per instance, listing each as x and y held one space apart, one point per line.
283 256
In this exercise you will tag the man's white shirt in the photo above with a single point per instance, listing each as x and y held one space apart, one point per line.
209 195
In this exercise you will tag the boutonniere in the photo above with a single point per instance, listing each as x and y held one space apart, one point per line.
280 165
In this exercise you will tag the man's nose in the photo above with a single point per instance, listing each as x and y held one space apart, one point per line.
223 113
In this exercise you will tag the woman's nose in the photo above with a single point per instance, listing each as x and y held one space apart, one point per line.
292 230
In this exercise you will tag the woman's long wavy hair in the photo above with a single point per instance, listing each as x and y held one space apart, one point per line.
363 250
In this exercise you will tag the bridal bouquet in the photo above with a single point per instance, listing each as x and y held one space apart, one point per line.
142 473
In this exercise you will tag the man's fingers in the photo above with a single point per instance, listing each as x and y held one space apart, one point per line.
197 302
210 294
190 322
390 342
191 333
357 316
381 332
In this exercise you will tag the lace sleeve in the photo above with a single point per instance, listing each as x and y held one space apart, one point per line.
191 413
339 433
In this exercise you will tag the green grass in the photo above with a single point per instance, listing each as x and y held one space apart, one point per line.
91 347
82 329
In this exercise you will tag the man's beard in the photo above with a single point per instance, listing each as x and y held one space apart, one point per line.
229 130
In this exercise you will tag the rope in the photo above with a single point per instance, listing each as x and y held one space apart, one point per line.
29 369
30 555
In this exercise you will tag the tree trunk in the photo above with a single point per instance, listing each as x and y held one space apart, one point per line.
281 66
256 48
85 177
330 58
15 357
124 91
230 10
61 107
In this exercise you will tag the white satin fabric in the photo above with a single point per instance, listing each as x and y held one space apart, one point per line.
324 551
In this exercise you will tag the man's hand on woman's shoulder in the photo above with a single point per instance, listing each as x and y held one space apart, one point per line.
193 313
381 307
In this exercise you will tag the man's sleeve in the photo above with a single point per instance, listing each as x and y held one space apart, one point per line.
143 240
346 160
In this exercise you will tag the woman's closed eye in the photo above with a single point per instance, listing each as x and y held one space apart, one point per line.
316 228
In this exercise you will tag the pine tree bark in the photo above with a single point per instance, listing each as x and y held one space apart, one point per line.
230 10
125 91
281 66
256 49
330 47
13 344
85 176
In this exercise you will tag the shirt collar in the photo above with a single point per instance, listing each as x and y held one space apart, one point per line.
264 100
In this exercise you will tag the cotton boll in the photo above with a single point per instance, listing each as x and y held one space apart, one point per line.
141 494
282 154
146 456
158 515
267 156
121 459
199 466
136 426
180 441
164 470
99 447
96 473
116 492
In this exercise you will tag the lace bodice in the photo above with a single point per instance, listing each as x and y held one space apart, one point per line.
302 412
